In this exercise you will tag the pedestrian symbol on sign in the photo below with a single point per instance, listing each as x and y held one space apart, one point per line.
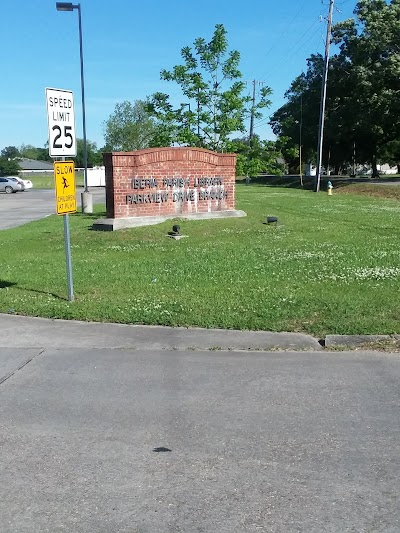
65 187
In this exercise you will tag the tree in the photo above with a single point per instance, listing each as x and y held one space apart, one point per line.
28 151
391 154
32 152
216 108
9 167
370 56
43 154
10 152
362 105
94 156
300 111
129 127
256 157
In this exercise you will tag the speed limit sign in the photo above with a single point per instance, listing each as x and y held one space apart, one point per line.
61 121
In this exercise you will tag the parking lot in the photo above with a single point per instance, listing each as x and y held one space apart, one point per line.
34 204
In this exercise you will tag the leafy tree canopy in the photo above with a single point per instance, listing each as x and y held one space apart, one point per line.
129 127
256 157
32 152
10 152
362 106
215 107
9 167
94 156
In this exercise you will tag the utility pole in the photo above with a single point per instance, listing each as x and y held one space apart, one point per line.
300 140
253 105
323 98
198 117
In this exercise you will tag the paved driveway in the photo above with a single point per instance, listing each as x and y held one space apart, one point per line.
34 204
153 441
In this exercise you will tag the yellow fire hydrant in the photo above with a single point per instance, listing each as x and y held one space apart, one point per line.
330 187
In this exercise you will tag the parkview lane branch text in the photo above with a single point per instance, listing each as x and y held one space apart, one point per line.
188 195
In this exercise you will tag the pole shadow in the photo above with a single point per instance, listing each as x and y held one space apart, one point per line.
57 296
6 284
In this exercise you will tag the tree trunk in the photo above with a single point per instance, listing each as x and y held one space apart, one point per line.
375 173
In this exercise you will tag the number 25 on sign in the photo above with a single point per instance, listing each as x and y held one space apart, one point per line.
61 122
64 179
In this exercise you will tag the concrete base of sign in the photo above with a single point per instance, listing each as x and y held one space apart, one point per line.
87 202
112 224
177 237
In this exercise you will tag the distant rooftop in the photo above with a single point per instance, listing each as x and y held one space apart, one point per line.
33 164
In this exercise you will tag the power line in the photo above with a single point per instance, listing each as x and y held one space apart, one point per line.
264 121
304 45
290 23
291 48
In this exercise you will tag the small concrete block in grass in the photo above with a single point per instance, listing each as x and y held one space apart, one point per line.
353 341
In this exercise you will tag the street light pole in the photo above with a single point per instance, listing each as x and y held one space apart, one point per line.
86 197
83 98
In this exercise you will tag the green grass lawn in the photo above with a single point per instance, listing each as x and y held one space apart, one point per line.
331 265
46 181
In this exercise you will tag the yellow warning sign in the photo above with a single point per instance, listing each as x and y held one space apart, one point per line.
64 179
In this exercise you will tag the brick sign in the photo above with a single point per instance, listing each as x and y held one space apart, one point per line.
156 184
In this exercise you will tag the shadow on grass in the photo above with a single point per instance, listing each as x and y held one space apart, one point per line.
294 182
58 297
289 182
91 217
6 284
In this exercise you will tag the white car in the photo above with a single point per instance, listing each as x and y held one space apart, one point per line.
27 183
10 185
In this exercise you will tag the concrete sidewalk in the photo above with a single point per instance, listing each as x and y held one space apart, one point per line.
96 439
27 332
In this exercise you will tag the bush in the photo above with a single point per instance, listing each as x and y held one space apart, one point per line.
9 167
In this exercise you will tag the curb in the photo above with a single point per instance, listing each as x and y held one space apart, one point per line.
356 341
26 332
58 334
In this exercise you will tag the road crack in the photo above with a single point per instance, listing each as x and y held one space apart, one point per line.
23 365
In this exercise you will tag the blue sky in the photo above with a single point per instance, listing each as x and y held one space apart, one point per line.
126 44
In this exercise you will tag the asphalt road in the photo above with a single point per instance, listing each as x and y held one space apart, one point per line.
34 204
116 440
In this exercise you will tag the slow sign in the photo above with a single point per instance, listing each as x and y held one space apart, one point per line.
64 179
61 122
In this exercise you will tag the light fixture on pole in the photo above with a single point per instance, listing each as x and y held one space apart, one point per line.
87 201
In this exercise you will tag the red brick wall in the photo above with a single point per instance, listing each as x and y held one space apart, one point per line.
169 181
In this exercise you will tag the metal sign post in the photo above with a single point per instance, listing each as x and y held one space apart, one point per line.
64 179
67 244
